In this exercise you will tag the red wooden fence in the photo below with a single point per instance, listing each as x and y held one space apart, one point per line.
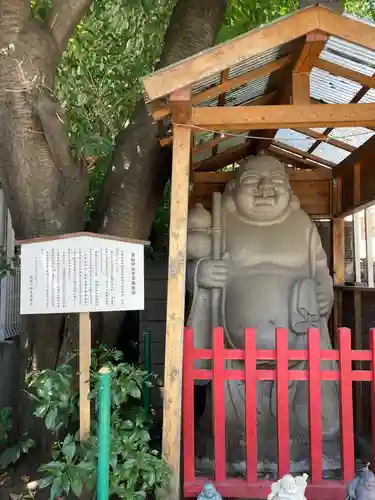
251 487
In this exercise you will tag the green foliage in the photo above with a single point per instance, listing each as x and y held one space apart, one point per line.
54 397
10 452
98 76
244 15
136 469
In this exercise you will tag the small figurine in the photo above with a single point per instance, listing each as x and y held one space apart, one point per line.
199 233
362 487
209 492
289 488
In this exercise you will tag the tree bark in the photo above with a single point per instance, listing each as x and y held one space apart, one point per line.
44 188
134 186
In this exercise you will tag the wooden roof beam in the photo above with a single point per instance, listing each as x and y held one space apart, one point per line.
297 91
364 153
296 175
349 74
258 101
313 46
303 154
237 153
284 116
280 32
294 159
228 85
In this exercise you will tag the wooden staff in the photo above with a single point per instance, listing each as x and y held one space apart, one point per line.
216 254
84 375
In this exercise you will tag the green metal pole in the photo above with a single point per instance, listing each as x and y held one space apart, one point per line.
104 433
146 388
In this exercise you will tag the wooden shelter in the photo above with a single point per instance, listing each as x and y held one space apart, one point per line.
303 88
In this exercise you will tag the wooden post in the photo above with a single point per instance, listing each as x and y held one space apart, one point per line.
84 375
301 88
181 106
338 236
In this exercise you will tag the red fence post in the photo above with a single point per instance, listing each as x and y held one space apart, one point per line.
250 405
372 347
188 406
218 384
346 403
315 404
282 377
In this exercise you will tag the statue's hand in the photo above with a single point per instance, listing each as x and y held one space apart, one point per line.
324 298
212 273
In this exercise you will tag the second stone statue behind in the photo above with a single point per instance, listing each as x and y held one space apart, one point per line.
272 273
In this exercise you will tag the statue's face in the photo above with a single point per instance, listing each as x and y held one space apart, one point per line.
263 191
209 491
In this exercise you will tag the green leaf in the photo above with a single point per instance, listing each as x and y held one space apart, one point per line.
44 482
69 447
77 487
55 488
50 420
10 456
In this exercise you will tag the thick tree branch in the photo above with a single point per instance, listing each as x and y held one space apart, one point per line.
64 18
52 117
13 15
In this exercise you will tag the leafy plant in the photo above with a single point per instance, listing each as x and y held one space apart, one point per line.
136 468
54 396
11 452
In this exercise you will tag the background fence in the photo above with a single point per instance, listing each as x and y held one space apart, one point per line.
251 487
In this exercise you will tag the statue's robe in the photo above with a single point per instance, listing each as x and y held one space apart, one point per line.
273 271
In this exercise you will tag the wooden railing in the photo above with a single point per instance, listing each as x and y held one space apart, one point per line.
251 487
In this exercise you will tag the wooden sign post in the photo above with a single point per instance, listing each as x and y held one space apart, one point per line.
82 273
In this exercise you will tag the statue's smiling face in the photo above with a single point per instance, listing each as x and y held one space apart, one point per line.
263 191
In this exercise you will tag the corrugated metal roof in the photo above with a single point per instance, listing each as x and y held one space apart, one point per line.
331 89
324 87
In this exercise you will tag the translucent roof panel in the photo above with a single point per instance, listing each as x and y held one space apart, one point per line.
332 89
295 139
330 153
355 136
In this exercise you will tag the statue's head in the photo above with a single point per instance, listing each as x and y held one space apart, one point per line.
288 484
368 479
261 191
209 491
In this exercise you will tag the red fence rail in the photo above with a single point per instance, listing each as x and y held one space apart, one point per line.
251 487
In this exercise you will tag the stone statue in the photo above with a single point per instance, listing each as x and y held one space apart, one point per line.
209 493
289 488
363 486
272 273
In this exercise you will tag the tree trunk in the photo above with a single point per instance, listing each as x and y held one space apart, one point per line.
135 184
44 188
